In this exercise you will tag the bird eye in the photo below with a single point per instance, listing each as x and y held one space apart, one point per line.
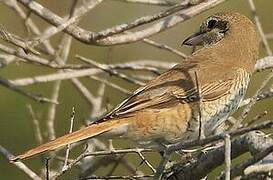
224 26
212 23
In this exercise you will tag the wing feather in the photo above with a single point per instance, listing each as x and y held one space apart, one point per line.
174 86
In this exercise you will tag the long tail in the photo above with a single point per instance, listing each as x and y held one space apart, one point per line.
87 132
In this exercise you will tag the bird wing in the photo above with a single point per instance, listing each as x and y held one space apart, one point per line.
178 85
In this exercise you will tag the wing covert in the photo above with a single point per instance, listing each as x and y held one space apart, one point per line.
173 86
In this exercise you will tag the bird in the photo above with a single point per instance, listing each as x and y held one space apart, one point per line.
192 98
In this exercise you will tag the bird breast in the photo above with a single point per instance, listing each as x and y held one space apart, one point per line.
216 112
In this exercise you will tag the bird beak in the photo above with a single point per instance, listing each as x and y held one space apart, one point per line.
194 40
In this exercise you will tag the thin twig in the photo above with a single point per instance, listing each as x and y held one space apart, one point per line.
110 84
206 162
264 63
259 27
261 96
63 52
19 164
227 157
72 20
91 99
36 125
16 40
255 119
69 166
238 170
8 84
146 161
150 2
116 163
72 117
30 25
119 151
161 166
27 58
110 71
214 138
118 177
47 160
246 110
141 21
165 47
201 134
55 77
89 37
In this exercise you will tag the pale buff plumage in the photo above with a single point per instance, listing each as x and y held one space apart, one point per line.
167 108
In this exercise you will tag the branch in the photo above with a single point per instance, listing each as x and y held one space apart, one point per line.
259 27
202 165
201 142
206 161
150 2
19 164
238 170
10 85
214 138
17 41
89 37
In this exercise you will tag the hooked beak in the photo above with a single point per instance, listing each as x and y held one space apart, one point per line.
194 40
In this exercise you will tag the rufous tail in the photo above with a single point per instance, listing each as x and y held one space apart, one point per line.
82 134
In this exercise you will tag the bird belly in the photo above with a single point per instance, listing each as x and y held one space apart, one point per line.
160 126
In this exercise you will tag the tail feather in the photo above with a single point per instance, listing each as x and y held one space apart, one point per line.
82 134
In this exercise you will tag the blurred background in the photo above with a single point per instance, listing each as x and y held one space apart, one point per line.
16 126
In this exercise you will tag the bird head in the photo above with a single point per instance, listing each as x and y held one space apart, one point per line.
216 27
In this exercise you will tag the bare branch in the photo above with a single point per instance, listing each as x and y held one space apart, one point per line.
36 124
91 37
259 27
150 2
70 131
8 84
19 164
16 40
110 71
227 157
206 162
